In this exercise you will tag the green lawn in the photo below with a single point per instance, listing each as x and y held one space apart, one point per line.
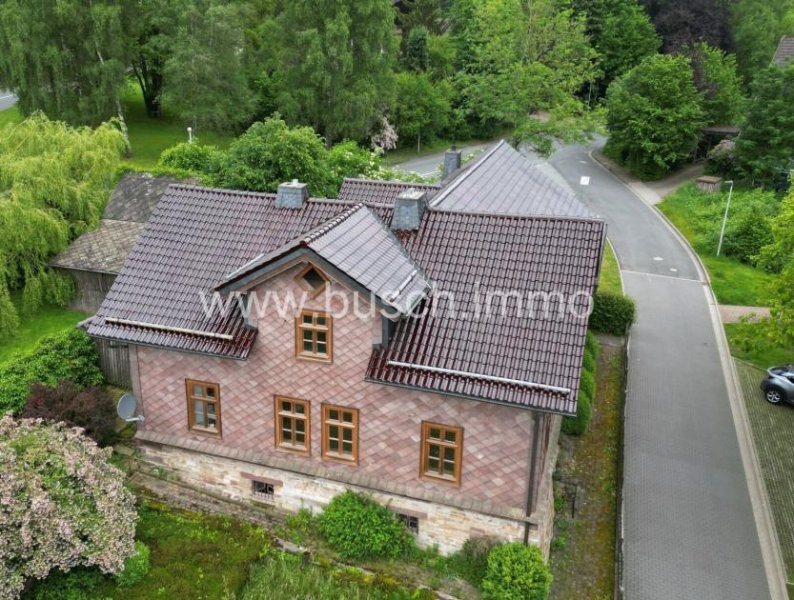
10 116
610 280
773 436
698 217
48 320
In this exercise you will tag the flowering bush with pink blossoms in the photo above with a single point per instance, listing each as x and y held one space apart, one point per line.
62 504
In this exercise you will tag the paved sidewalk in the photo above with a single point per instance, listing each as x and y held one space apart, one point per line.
689 526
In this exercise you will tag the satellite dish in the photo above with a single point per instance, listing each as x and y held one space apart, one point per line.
126 408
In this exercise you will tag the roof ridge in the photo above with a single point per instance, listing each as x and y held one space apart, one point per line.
332 223
445 190
390 181
524 217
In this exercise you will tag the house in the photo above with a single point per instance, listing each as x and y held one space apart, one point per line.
95 258
784 54
284 348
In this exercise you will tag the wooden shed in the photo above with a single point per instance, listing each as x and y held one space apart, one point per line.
95 258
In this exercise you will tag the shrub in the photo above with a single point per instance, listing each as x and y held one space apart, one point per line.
135 567
584 409
721 159
193 158
358 527
471 561
589 362
64 504
516 572
612 313
587 384
69 355
592 346
92 409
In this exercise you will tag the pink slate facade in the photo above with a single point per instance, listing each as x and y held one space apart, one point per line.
497 441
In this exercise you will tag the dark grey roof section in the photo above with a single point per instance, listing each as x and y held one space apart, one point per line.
784 54
503 182
359 245
372 191
103 250
136 195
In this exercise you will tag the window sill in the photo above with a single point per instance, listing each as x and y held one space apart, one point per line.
443 480
293 449
341 459
313 358
206 432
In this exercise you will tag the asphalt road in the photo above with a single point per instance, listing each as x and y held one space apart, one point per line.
7 99
428 166
688 523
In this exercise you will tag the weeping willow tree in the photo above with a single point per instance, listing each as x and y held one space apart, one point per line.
54 183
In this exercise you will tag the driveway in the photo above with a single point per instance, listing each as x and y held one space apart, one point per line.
7 99
688 521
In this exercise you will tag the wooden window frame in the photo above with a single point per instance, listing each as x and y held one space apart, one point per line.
300 327
424 471
191 415
313 292
306 417
327 423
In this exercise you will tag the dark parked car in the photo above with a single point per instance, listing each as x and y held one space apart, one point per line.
778 385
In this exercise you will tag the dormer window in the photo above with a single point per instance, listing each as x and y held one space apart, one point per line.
312 280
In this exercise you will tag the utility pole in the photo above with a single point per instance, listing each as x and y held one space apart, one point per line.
725 218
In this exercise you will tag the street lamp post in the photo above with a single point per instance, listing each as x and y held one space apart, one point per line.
725 218
190 135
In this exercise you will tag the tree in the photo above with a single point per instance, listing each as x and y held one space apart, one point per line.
765 150
758 26
270 153
54 183
66 58
622 34
519 58
203 80
430 14
779 255
717 80
423 107
64 504
684 23
416 55
337 62
654 115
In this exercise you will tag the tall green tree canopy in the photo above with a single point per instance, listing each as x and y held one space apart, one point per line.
518 58
67 58
337 60
765 149
758 26
717 79
423 108
654 115
54 183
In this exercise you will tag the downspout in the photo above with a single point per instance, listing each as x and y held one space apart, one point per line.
533 470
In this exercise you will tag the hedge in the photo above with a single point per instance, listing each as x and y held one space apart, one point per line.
612 313
516 572
70 355
587 388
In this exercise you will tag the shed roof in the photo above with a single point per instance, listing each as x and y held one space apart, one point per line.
102 250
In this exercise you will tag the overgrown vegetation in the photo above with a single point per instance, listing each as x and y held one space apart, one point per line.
70 355
698 216
516 572
47 320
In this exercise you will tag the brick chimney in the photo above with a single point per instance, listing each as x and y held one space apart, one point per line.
292 195
452 161
408 210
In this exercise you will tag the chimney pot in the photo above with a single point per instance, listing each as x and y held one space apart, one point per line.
292 195
452 162
408 210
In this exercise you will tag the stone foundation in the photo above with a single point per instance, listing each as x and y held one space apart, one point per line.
443 526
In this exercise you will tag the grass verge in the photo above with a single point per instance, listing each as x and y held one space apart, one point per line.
10 116
610 281
698 216
583 550
773 436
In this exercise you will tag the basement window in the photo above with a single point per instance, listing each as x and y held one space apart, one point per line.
262 491
411 523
